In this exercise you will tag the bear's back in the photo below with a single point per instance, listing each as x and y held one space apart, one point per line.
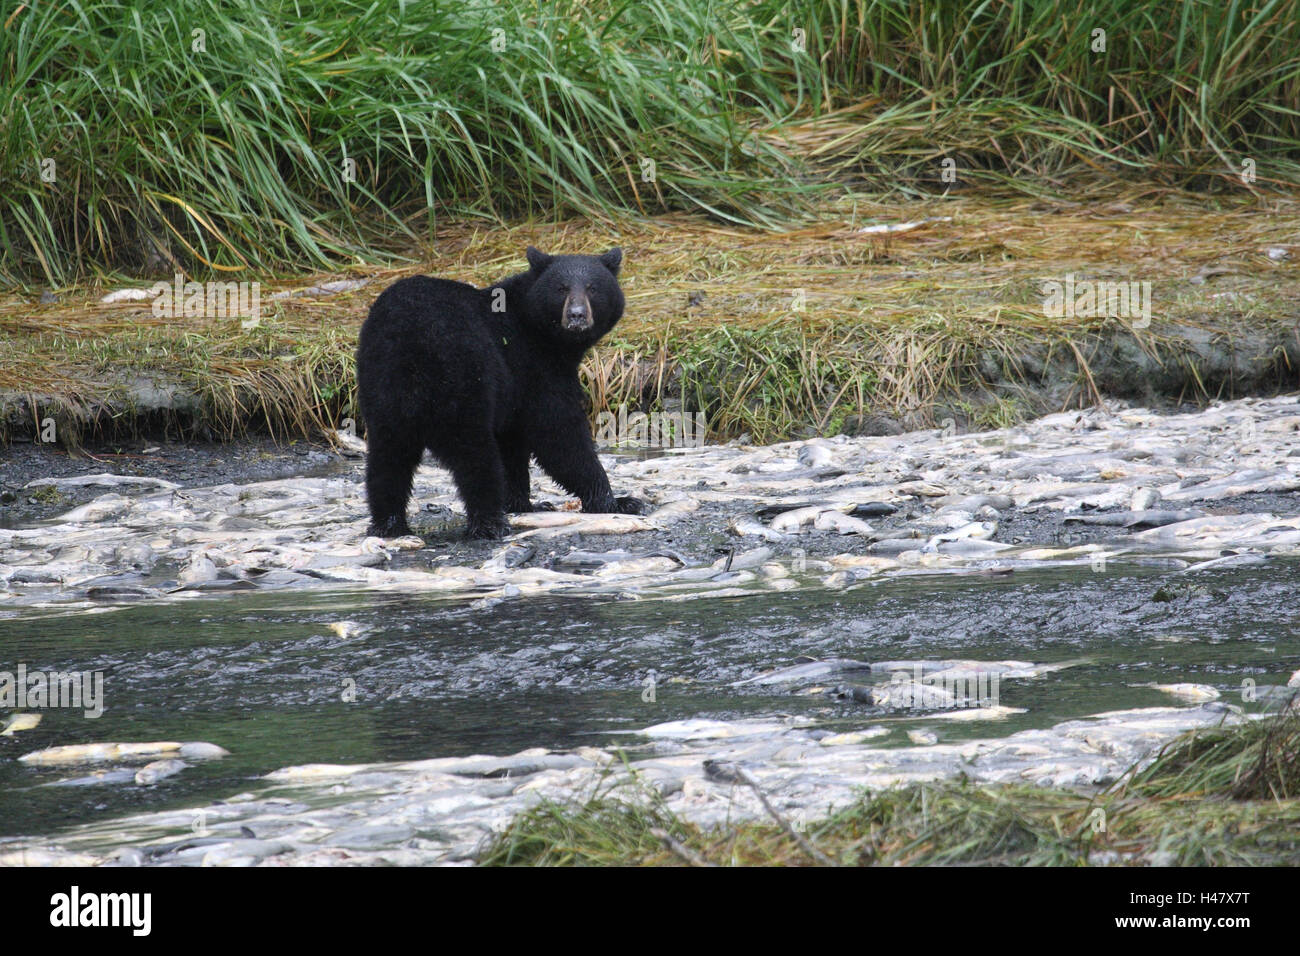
426 310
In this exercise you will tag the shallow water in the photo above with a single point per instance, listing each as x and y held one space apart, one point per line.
265 676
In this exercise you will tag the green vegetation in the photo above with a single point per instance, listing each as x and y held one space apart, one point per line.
770 334
214 136
1219 797
48 495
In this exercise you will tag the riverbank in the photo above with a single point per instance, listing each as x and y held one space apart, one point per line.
1108 579
1222 797
1152 787
822 330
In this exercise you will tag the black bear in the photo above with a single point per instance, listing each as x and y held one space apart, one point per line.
486 379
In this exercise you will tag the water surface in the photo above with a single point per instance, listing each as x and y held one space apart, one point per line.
265 676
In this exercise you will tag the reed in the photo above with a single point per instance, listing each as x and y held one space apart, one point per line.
299 134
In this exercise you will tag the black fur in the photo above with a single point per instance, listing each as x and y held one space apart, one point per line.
485 390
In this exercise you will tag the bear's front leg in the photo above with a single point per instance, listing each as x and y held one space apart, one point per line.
627 505
566 452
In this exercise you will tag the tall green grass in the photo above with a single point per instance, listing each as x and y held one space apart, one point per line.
230 154
1183 90
233 154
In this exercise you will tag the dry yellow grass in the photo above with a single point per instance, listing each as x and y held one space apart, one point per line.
877 321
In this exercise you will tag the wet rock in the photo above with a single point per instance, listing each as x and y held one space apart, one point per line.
157 770
872 425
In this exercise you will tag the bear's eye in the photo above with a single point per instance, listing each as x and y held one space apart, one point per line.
591 287
563 288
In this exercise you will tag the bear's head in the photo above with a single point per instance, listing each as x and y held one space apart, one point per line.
574 300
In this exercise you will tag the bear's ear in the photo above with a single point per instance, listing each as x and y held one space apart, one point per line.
538 260
612 260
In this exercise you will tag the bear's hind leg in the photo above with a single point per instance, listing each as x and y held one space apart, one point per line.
390 466
481 481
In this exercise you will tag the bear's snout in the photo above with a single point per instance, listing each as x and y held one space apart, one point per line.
577 313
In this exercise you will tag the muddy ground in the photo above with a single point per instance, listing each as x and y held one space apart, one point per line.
702 536
189 464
